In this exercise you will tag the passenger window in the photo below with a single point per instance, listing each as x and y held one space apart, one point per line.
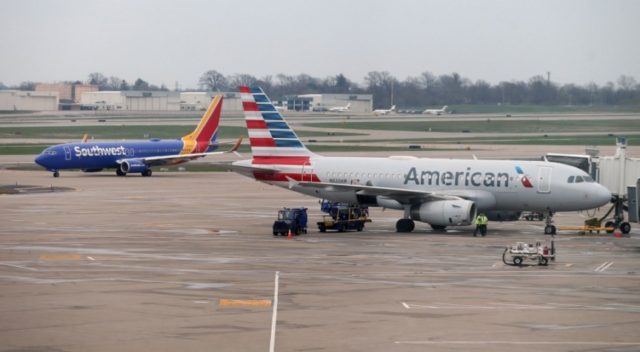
570 180
579 179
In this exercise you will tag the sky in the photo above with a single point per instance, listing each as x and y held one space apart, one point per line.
164 42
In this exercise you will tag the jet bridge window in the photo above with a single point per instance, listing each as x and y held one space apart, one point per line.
570 180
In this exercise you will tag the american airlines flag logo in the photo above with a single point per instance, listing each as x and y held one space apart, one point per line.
523 178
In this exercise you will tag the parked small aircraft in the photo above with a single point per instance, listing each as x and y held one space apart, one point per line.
436 111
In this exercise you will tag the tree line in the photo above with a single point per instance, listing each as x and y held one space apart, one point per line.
420 91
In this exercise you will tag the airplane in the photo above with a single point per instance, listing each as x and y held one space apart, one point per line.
440 192
436 111
136 156
384 111
340 108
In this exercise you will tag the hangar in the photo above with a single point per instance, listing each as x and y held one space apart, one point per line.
199 101
132 100
15 100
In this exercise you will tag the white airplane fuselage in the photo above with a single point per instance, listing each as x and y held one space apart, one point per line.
490 184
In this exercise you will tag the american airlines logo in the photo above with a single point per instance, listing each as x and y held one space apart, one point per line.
457 178
523 178
99 151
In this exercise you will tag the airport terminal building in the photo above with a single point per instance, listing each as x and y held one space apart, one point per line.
18 100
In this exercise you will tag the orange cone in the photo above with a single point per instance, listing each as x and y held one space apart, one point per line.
289 235
617 233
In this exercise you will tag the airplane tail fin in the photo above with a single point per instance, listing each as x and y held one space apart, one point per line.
272 141
393 108
205 135
348 106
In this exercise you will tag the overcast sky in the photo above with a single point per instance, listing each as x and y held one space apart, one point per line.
164 41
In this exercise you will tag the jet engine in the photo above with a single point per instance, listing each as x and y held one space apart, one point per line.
445 212
133 166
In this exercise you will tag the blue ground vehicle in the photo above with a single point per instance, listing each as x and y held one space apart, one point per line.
294 219
342 217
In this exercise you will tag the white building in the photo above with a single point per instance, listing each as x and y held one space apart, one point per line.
199 101
132 100
14 100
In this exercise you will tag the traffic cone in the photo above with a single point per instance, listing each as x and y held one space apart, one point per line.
289 235
617 233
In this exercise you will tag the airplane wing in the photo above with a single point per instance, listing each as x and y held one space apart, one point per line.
404 196
181 158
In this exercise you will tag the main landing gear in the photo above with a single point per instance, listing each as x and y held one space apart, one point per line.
549 229
119 172
56 173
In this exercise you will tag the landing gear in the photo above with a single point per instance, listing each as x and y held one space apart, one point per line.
147 173
438 227
549 229
405 225
625 228
56 174
119 172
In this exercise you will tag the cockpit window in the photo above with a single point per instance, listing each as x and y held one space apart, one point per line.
51 152
588 179
579 179
570 180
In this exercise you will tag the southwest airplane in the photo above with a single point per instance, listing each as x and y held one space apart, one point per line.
436 111
136 156
441 192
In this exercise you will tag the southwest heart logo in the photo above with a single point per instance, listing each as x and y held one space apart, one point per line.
523 178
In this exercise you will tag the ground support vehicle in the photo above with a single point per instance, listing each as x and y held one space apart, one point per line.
343 217
290 219
527 254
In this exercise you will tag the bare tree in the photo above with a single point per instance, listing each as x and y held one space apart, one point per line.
241 79
98 79
214 81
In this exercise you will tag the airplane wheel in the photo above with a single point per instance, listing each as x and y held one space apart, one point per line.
147 173
625 228
610 224
405 225
549 230
56 174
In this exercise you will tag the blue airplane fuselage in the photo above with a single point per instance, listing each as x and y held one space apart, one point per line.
104 155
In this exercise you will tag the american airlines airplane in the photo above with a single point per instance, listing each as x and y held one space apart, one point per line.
340 108
436 111
440 192
136 156
384 111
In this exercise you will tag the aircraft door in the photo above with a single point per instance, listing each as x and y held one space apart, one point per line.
67 153
544 179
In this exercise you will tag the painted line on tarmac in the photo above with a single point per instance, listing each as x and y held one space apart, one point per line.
604 266
515 306
60 257
522 343
274 316
224 302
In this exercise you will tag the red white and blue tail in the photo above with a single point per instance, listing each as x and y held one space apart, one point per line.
272 141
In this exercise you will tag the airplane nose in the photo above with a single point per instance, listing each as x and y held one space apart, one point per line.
603 196
42 160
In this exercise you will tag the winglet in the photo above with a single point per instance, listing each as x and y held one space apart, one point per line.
292 182
236 146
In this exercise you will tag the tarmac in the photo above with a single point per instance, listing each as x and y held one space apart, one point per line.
186 262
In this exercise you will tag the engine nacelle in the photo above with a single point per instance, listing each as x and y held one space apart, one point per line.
445 212
133 165
503 215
